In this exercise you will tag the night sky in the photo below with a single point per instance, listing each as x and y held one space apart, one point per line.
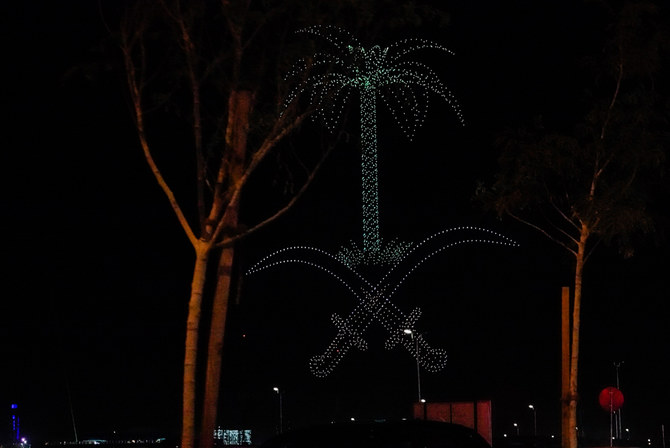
97 271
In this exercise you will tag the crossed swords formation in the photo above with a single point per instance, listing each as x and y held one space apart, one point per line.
374 304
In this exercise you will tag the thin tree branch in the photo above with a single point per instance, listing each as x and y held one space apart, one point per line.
563 232
228 241
191 65
593 248
564 216
136 96
614 98
279 131
543 232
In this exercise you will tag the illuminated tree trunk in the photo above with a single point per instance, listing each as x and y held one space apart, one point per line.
371 237
574 347
191 344
239 109
215 348
565 367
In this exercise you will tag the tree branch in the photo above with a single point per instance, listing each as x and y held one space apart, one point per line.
135 89
593 248
614 98
564 216
543 232
191 65
279 131
228 241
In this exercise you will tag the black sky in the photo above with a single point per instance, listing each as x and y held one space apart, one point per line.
97 270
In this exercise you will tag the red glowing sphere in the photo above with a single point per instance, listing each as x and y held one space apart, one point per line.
610 399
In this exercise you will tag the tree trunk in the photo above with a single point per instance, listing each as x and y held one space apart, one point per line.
239 110
191 345
565 367
371 237
574 348
215 348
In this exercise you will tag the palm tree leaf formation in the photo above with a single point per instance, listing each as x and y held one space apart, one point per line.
403 85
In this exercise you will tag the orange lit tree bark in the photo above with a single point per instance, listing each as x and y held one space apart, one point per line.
216 225
592 184
236 140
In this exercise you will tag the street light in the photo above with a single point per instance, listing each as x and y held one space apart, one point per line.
280 429
532 408
418 371
617 421
516 427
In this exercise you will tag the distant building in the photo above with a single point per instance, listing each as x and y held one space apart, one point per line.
232 437
473 414
16 438
16 424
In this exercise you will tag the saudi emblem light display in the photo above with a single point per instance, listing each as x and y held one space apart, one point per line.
404 85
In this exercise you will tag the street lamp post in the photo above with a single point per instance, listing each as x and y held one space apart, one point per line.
532 408
418 370
516 427
280 428
617 421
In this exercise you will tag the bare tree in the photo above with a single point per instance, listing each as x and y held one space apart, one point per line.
228 145
592 183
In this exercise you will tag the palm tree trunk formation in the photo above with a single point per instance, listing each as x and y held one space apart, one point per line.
371 236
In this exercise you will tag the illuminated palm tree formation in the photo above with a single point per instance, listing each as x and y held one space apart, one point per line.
403 85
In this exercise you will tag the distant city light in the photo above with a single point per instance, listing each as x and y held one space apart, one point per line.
234 437
16 425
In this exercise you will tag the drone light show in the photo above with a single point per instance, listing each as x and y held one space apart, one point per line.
377 73
384 75
373 299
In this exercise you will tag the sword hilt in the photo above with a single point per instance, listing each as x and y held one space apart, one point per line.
431 359
346 337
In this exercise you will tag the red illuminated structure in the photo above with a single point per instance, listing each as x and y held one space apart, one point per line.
610 399
472 414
